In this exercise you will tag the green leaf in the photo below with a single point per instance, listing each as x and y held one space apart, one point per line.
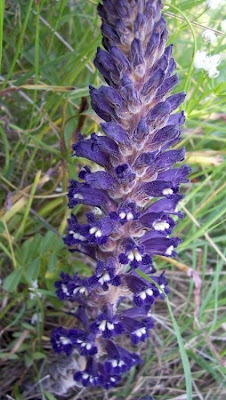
47 242
38 355
12 280
52 265
32 272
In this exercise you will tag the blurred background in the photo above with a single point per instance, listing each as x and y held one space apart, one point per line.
47 50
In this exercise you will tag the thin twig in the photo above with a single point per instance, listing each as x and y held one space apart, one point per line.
195 23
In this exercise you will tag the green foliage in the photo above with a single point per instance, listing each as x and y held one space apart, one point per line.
48 51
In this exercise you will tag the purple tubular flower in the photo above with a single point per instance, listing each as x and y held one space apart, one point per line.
145 293
106 273
132 192
90 376
107 324
64 340
119 359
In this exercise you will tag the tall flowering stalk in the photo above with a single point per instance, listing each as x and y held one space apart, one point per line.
135 190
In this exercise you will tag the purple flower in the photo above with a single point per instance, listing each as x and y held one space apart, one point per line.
106 273
90 376
134 255
85 344
137 326
62 287
132 194
144 293
107 324
75 288
64 340
119 360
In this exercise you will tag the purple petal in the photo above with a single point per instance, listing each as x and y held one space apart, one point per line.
100 180
176 175
175 100
159 188
169 158
88 149
116 132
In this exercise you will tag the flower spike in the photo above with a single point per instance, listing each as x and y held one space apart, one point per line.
135 188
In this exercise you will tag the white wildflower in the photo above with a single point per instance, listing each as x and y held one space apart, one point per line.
223 25
59 189
33 290
209 63
200 59
212 64
36 317
34 284
214 4
209 36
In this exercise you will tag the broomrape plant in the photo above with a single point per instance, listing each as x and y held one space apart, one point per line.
135 190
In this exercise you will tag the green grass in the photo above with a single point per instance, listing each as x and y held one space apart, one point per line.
47 51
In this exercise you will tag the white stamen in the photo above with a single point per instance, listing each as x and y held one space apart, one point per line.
140 332
161 226
112 379
102 325
78 196
104 278
81 290
167 192
85 376
98 233
129 216
110 326
131 256
78 236
122 215
93 230
64 340
137 255
134 254
149 292
64 289
88 346
114 363
143 295
169 250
